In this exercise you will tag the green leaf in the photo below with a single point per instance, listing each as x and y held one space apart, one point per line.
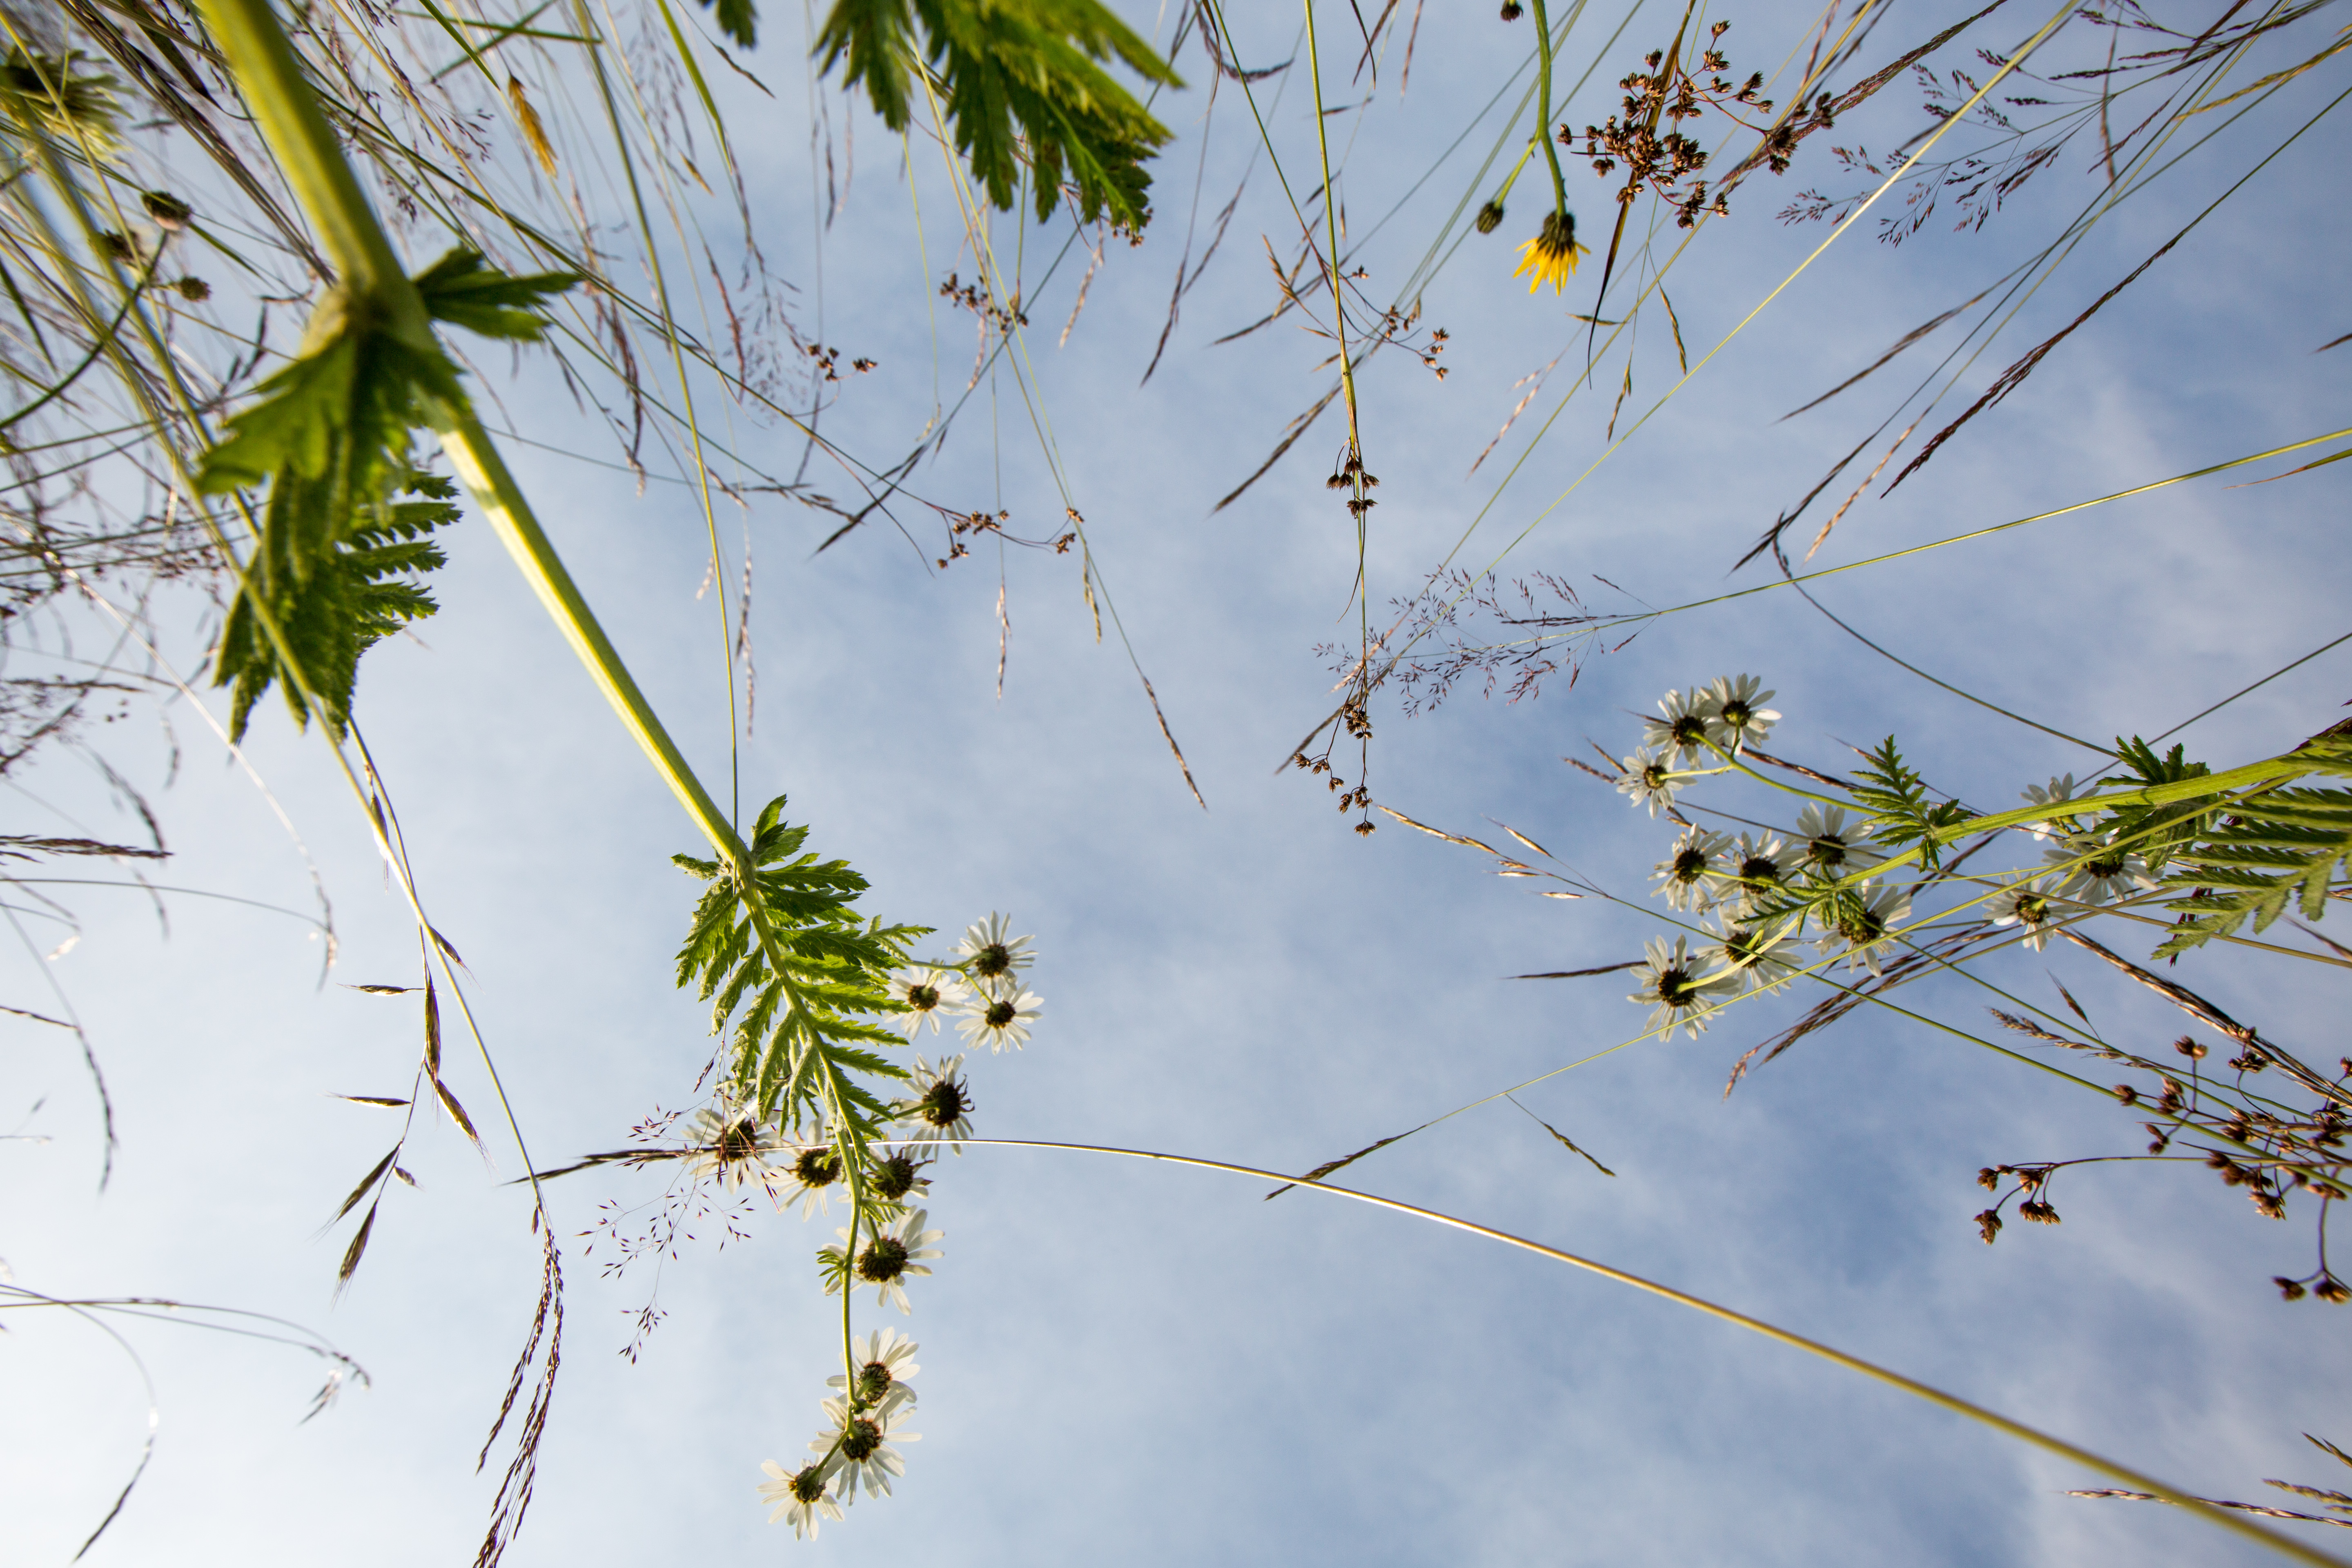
2272 846
464 290
2155 832
1899 810
1021 83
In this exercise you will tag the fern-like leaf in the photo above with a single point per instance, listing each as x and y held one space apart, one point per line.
2274 846
1021 81
1899 810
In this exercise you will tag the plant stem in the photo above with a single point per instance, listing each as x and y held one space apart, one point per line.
1543 110
1999 1423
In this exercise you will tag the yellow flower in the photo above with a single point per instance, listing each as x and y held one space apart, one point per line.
1551 255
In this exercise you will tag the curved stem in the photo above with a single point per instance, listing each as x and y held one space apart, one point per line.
1937 1397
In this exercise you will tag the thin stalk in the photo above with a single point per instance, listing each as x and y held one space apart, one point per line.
1543 112
1339 315
1910 1385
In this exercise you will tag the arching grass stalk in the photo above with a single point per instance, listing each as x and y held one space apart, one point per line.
2033 1437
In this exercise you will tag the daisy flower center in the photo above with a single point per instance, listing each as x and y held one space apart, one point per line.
816 1167
808 1484
860 1440
2103 867
874 1381
894 1178
1673 985
1735 714
1690 865
882 1262
1689 729
740 1141
1759 869
943 1103
922 998
999 1014
992 961
1828 851
2033 909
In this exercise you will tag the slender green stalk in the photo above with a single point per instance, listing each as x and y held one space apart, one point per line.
1543 112
2059 1447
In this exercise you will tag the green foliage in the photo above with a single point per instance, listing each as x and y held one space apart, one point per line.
1898 810
331 435
1019 79
2274 845
464 290
800 975
2156 832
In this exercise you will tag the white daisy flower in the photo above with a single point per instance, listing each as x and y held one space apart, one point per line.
898 1178
998 1018
894 1252
1761 864
2096 869
926 994
860 1447
800 1496
2026 904
1829 843
1649 780
2061 789
815 1170
1752 954
940 1109
1685 873
1678 989
1737 712
728 1147
1682 732
992 958
886 1360
1860 922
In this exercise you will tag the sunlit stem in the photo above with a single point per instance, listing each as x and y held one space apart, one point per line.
1543 110
1935 1396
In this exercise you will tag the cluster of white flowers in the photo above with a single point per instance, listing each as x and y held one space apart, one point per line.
1757 897
888 1242
1694 727
863 1420
983 990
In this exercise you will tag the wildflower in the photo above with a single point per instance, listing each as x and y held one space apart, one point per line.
799 1496
1551 256
815 1170
1681 735
1490 217
897 1252
2096 868
941 1108
860 1447
1685 871
2027 905
886 1360
924 991
2060 789
1649 780
168 211
991 957
726 1146
1831 845
1861 921
1750 953
1000 1018
1679 990
1762 865
899 1175
1737 703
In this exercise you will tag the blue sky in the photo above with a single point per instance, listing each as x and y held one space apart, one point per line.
1150 1363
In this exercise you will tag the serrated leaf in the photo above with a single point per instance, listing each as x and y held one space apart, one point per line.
464 290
